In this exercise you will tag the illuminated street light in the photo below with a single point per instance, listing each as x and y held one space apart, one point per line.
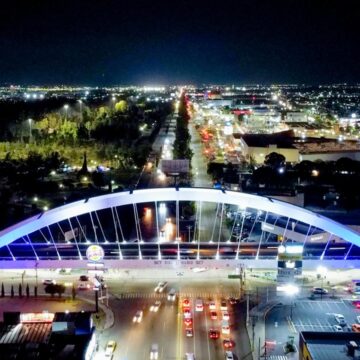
30 129
291 290
66 107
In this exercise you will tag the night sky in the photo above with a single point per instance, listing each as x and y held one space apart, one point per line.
103 42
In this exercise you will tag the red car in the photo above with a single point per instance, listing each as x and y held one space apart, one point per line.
356 303
228 343
213 315
214 334
188 322
186 303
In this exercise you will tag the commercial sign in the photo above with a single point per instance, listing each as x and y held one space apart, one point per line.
95 253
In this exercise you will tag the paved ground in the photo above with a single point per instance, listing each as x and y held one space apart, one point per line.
305 315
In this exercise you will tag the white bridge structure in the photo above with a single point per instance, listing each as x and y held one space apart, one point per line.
175 227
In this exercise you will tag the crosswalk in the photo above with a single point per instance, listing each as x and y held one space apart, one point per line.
277 357
146 295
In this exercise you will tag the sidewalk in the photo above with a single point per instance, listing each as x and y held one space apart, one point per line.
109 314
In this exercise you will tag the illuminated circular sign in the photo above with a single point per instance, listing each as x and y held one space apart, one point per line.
95 253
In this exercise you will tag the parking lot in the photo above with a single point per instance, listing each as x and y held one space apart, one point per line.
306 315
318 315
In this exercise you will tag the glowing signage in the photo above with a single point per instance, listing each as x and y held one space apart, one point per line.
29 318
95 253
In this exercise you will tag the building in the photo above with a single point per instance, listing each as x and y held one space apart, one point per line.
329 345
296 117
258 146
327 149
45 335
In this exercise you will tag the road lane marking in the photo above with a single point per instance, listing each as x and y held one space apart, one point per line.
207 337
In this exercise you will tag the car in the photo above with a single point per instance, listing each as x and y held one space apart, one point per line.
356 303
161 286
214 334
228 343
110 348
355 327
212 305
229 355
155 307
223 305
186 303
232 301
340 319
337 328
49 282
188 321
225 316
171 295
189 332
138 317
84 286
358 319
225 328
213 315
154 352
84 278
199 305
189 356
319 290
187 314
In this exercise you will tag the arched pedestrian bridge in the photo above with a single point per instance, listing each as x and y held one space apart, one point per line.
185 225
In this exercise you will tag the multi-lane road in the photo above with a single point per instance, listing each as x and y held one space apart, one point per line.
167 326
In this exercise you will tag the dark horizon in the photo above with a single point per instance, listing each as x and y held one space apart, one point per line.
137 42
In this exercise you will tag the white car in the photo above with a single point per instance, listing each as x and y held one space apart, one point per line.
110 348
337 328
358 319
138 317
223 305
190 356
161 286
154 352
225 316
84 286
155 306
49 282
340 319
212 305
229 355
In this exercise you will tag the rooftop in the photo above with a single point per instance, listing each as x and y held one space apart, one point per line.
330 345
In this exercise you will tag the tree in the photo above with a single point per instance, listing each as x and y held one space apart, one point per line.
2 290
121 106
20 290
59 289
27 290
50 289
73 292
274 160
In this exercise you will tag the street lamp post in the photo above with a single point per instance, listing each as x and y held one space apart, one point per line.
66 107
80 105
189 228
30 130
